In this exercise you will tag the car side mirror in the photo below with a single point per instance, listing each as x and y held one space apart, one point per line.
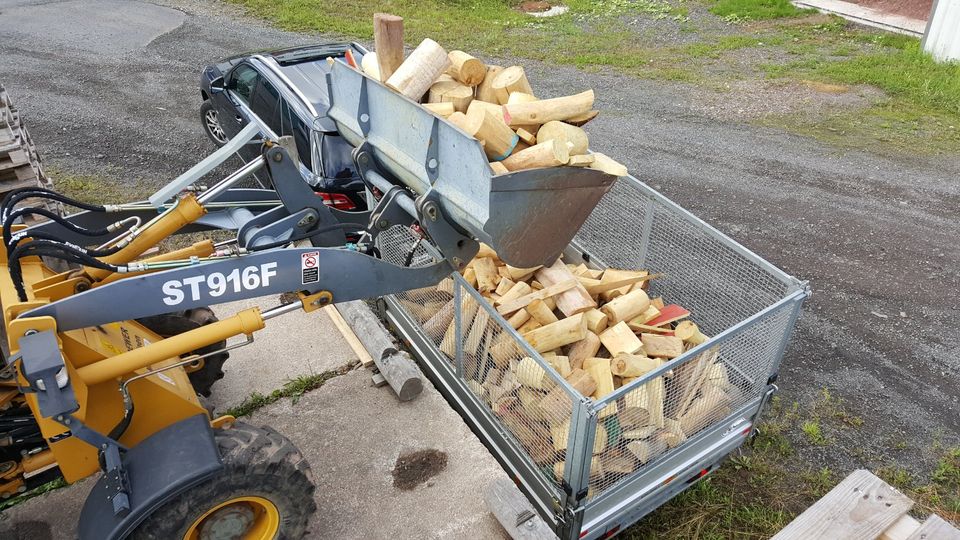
217 85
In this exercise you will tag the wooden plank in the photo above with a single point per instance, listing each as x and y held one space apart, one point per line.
352 340
862 506
522 302
935 528
515 513
901 529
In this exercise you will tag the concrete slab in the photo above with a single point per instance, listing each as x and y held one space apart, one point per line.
867 16
291 345
352 434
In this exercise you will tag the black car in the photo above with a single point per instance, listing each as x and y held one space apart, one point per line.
285 93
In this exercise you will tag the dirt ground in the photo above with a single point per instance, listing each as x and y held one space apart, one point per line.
875 234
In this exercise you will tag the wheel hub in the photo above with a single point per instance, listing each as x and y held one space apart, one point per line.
228 523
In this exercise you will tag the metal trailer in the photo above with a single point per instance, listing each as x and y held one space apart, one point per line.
746 304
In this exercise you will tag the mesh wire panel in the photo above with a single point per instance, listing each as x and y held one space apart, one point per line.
664 412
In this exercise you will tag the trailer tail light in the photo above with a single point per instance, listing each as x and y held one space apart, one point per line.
338 201
611 532
584 533
699 475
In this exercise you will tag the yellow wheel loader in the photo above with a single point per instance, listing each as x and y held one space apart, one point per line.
107 359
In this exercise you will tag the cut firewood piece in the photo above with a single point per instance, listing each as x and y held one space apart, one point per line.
534 436
440 320
544 315
631 365
497 110
530 373
511 79
557 404
486 251
417 73
388 41
713 404
661 346
519 289
499 140
572 301
466 69
599 369
518 274
640 328
487 276
498 168
620 339
521 97
672 433
689 332
460 120
596 320
561 432
581 161
561 364
470 276
504 348
602 162
618 463
546 110
668 314
649 397
646 450
512 305
657 302
526 136
560 132
468 310
583 349
446 286
478 390
485 88
639 432
558 334
370 65
644 318
537 156
460 95
581 119
440 109
478 331
599 287
504 286
626 307
518 319
529 326
717 376
611 275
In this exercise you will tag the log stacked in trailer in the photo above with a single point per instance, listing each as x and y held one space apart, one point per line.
496 105
598 330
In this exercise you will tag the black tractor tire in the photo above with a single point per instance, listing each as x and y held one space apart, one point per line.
178 322
212 124
258 462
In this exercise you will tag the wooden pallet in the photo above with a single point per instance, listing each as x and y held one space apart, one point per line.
865 507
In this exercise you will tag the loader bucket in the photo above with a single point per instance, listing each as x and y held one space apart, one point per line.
528 217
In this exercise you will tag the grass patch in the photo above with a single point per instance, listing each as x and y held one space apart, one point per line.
292 389
813 432
757 10
39 490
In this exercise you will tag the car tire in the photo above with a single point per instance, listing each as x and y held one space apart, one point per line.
210 120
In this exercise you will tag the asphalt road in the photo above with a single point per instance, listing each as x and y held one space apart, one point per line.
875 235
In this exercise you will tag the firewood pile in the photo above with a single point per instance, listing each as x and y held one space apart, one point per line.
599 330
495 105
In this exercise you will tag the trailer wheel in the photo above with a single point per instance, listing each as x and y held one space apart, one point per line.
264 492
210 369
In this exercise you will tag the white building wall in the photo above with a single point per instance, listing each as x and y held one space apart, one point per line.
942 38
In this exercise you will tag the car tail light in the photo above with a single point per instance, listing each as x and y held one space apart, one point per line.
338 201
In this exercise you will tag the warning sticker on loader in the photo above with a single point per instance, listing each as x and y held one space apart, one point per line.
310 267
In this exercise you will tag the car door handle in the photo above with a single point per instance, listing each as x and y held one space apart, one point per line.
239 118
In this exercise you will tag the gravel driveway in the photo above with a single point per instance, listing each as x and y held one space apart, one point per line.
875 235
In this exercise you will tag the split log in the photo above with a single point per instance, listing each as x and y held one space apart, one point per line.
629 365
443 109
466 69
497 110
557 404
561 364
581 161
514 304
596 320
534 436
644 432
561 434
546 110
626 307
370 65
511 79
617 463
570 302
478 390
446 286
519 289
440 321
583 349
641 328
562 133
526 136
530 373
602 162
460 95
505 285
388 42
498 168
689 332
672 433
478 330
487 251
598 287
648 397
645 451
521 97
518 319
620 339
485 89
599 369
613 275
689 378
538 310
417 73
529 326
558 334
518 274
468 310
650 314
487 276
711 406
717 376
540 155
499 141
661 346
